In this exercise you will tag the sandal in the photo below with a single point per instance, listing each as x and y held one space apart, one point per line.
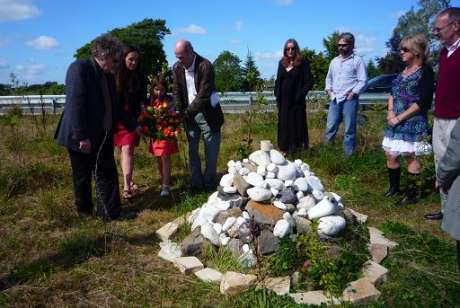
127 194
165 190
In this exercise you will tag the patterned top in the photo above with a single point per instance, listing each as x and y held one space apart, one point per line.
405 92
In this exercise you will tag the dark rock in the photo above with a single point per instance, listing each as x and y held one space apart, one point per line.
288 196
194 243
234 246
267 243
245 234
235 199
241 185
224 195
265 214
223 215
291 208
303 225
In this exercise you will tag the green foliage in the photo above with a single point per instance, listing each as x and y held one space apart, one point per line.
260 298
285 261
221 259
251 74
372 69
330 43
229 75
319 65
147 36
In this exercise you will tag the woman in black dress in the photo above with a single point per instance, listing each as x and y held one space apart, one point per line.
293 81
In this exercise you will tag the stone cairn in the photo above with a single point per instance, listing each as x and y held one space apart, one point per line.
260 200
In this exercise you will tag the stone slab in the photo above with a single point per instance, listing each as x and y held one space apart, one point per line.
376 237
279 285
376 273
209 275
361 291
265 214
318 297
165 232
361 218
378 252
188 264
233 283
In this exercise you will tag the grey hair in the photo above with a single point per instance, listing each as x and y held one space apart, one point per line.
107 46
348 37
453 13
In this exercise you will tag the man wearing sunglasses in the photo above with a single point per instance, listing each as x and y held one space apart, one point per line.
447 98
344 81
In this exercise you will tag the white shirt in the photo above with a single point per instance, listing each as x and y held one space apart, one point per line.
190 80
452 48
346 75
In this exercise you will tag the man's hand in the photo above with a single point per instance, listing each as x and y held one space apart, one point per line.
85 146
394 121
350 96
390 115
329 93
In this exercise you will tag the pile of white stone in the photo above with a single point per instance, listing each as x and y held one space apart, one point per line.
279 195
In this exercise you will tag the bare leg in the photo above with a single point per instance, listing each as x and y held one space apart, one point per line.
160 168
166 170
127 164
413 165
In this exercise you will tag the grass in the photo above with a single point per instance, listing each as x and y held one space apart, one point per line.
49 257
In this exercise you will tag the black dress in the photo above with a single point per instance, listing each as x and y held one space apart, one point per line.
291 87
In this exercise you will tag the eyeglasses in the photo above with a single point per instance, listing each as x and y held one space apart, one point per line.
404 49
343 45
290 48
439 29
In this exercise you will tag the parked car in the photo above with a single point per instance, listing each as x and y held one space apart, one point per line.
380 84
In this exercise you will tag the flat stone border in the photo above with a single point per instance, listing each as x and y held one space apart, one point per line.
360 291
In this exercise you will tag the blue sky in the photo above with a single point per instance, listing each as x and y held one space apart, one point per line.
39 37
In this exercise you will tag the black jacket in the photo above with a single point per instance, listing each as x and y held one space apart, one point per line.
84 109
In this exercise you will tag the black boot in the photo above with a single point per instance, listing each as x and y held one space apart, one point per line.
411 194
394 176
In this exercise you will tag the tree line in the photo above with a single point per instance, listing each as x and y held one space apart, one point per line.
233 74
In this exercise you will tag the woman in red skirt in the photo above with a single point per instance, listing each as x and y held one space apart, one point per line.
162 148
132 91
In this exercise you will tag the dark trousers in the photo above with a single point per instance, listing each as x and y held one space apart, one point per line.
105 171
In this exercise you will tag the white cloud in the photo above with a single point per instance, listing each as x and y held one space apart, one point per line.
43 42
192 29
17 10
283 2
31 73
275 55
238 25
365 44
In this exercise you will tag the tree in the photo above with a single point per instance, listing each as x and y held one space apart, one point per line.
319 65
330 43
251 75
413 21
372 69
147 36
229 75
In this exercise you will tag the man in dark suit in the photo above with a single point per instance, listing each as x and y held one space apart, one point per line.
193 86
87 124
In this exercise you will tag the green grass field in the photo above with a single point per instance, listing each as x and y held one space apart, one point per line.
49 257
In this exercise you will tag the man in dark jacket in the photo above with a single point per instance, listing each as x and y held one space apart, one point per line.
86 127
193 86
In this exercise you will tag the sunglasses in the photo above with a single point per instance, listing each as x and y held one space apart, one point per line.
438 30
290 48
404 49
343 45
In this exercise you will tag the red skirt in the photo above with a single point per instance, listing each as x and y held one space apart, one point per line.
122 137
163 147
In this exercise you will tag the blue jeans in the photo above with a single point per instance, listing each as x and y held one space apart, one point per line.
194 129
346 111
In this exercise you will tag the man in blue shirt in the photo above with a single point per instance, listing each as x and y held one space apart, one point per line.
344 81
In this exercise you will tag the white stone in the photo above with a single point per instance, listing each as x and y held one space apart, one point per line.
306 202
260 157
259 194
240 220
266 145
288 183
299 195
274 191
298 162
231 163
270 175
376 273
245 160
275 183
279 285
277 158
245 248
238 165
208 232
323 208
331 225
228 223
232 170
233 283
282 228
288 217
243 171
318 194
224 239
246 215
315 183
254 179
287 172
261 170
169 251
214 196
217 227
209 275
316 298
361 218
302 212
307 173
301 184
222 205
230 190
280 205
376 237
272 168
165 232
336 197
226 180
304 167
193 215
188 264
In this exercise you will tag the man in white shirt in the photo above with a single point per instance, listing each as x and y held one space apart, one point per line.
344 81
193 87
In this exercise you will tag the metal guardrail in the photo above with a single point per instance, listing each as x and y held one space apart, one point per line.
232 102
